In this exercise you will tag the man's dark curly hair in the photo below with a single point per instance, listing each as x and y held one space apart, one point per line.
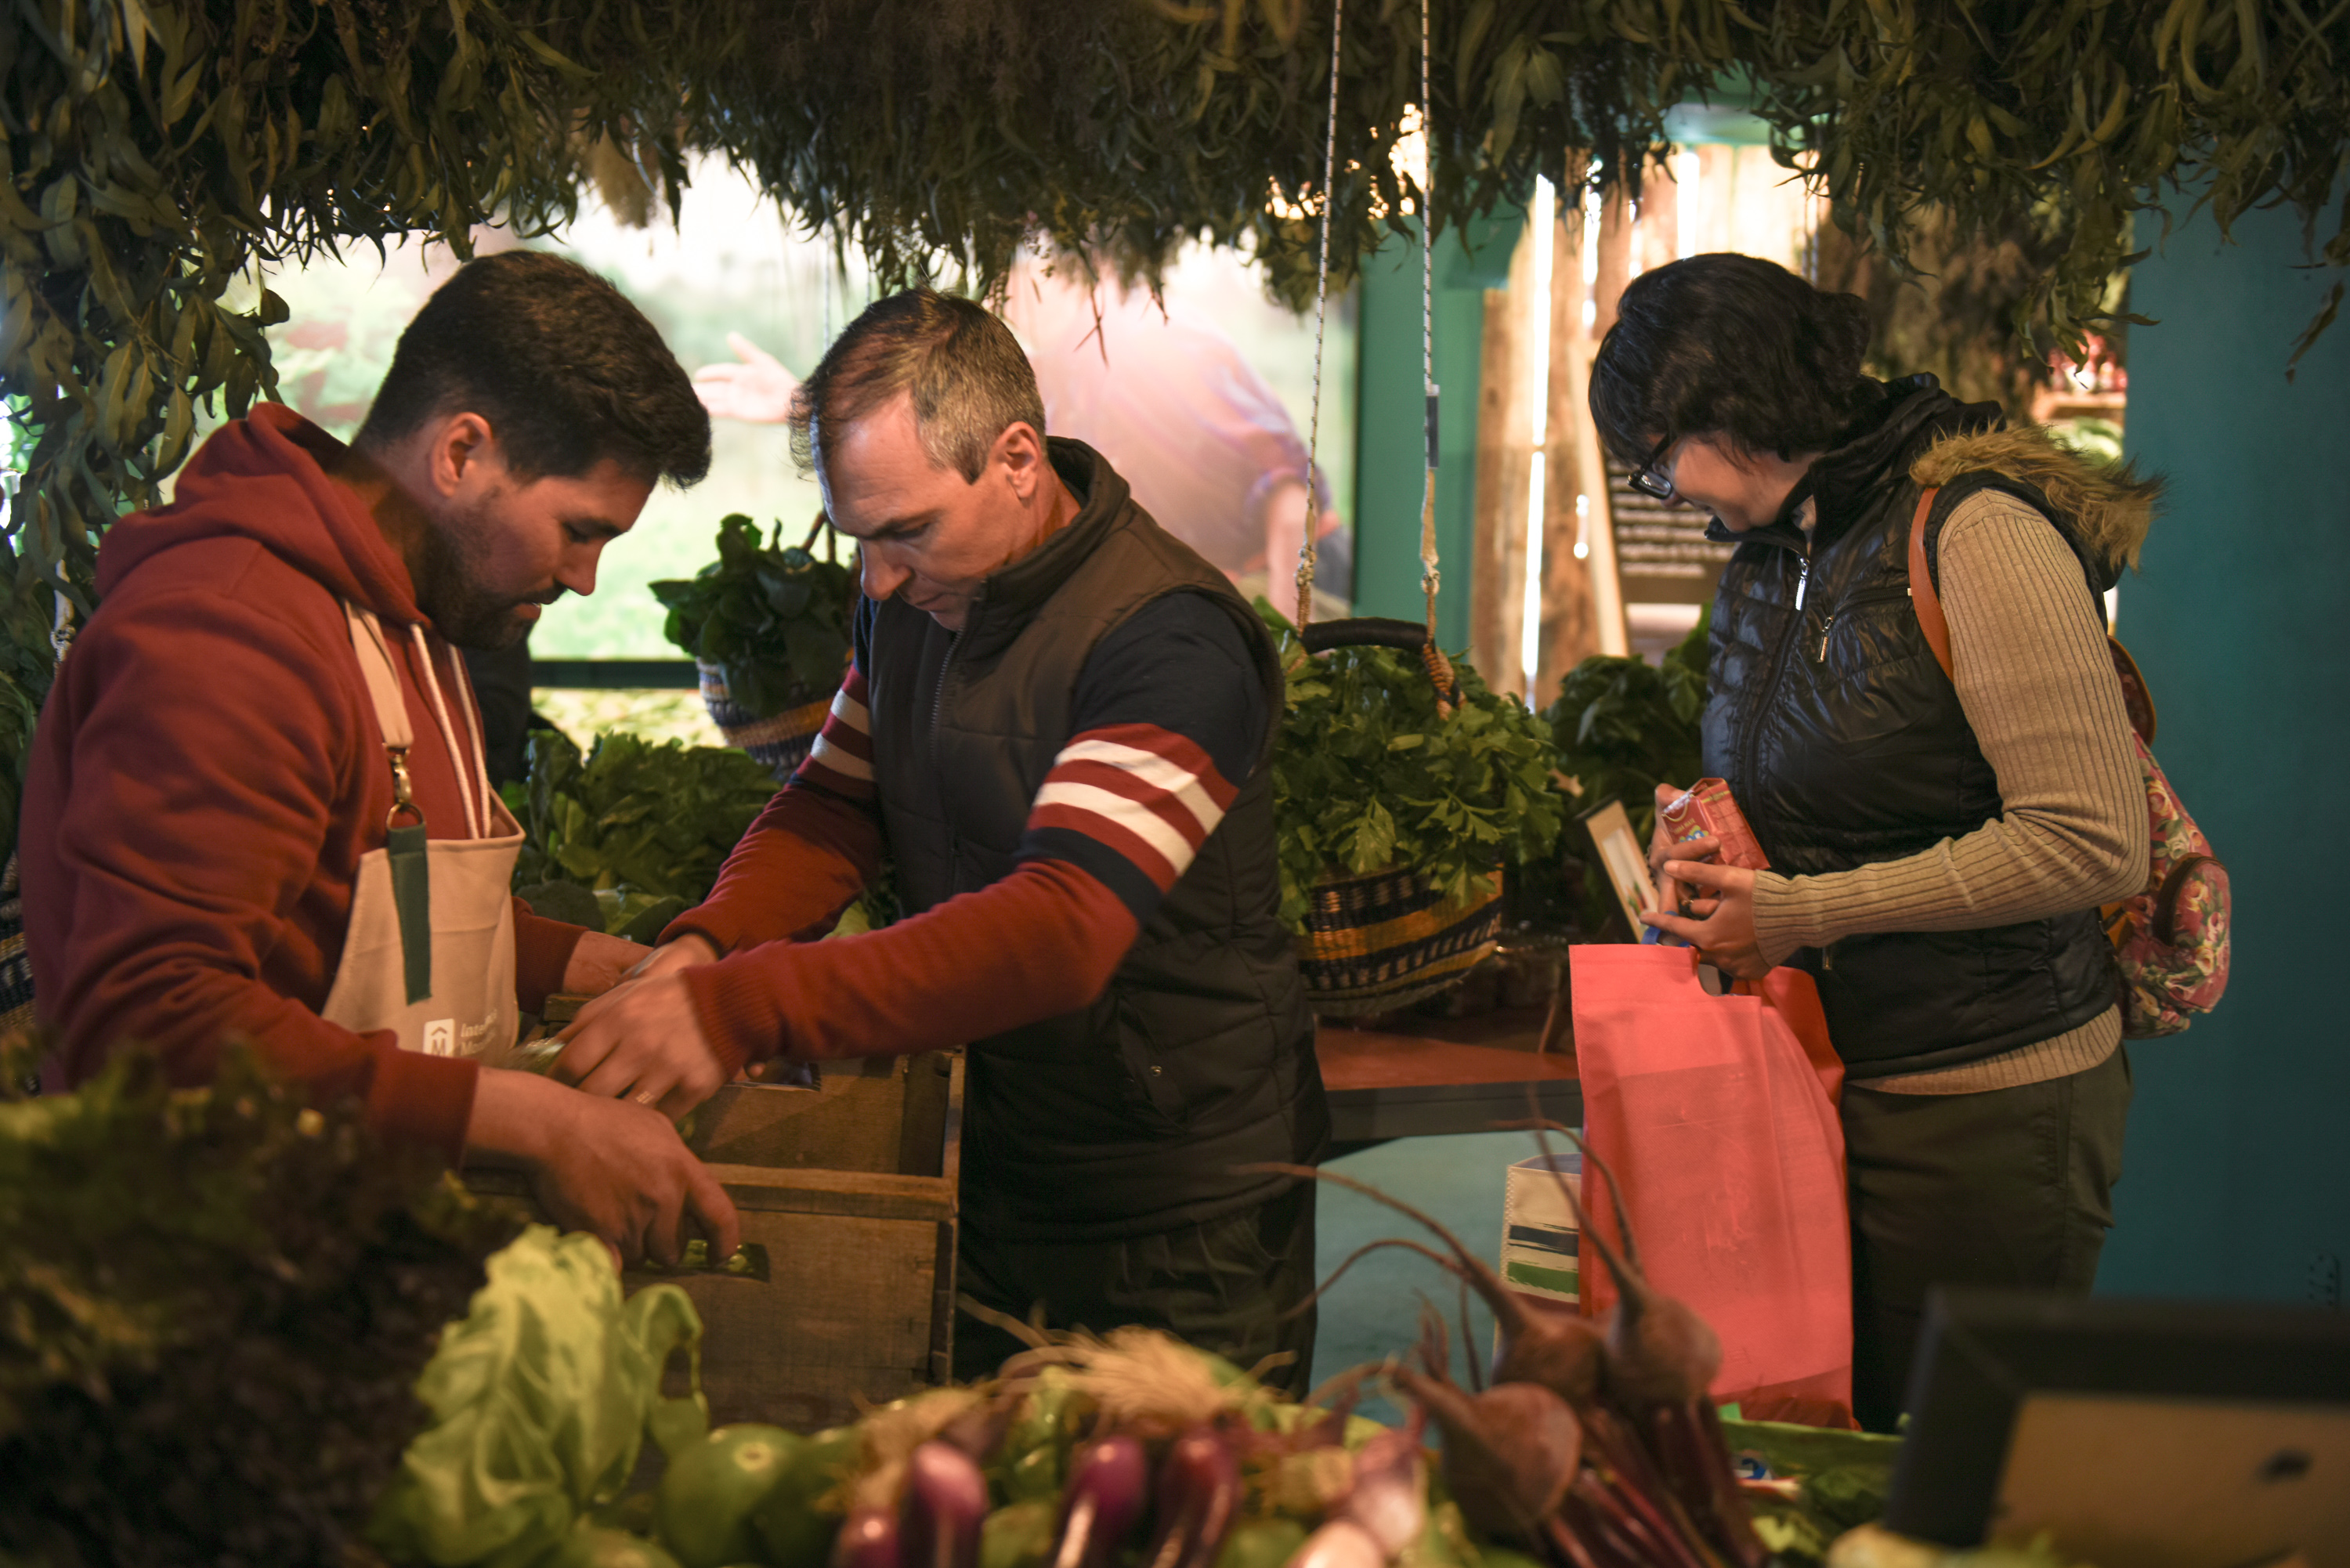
1730 345
566 371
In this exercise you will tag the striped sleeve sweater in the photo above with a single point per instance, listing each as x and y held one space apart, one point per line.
1169 716
2038 688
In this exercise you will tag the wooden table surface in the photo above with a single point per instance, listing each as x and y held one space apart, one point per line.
1447 1075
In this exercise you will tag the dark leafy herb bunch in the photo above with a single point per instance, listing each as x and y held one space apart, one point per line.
635 833
213 1304
1625 725
775 620
1366 774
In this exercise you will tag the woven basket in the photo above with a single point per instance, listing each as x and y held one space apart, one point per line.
1378 942
16 966
781 742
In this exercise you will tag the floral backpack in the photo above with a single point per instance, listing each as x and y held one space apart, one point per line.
2170 940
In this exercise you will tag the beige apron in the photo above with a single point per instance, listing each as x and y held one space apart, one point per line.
447 985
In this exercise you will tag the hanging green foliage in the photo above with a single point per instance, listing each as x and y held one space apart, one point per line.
159 151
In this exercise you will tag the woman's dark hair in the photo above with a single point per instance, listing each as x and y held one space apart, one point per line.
566 371
963 368
1731 345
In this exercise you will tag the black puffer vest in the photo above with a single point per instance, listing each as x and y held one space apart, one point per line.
1844 744
1128 1117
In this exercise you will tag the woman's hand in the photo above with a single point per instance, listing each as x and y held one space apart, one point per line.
1671 894
1724 928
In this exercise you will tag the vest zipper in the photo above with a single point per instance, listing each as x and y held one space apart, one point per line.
1751 742
938 707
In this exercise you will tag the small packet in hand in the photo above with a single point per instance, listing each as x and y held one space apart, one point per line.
1707 811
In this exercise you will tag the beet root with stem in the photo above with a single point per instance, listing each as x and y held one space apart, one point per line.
1510 1453
1560 1353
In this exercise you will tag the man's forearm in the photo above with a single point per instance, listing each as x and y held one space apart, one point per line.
803 861
1043 941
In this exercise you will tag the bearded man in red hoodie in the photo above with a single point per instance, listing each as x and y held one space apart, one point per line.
256 808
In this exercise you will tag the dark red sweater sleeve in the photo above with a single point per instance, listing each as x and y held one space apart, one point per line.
181 806
542 954
1043 941
810 852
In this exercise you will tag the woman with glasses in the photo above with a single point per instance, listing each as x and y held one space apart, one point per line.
1938 850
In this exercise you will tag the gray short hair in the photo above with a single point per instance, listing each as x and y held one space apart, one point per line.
964 370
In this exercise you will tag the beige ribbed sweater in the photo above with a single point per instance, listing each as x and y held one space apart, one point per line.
2038 687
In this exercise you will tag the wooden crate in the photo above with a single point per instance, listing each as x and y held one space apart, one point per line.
849 1191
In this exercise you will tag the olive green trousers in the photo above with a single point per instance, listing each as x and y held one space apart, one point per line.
2007 1186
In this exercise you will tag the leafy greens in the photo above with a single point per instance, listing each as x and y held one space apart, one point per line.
540 1398
638 828
776 622
1366 774
213 1304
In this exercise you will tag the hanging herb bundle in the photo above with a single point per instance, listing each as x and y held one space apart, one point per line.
774 621
1366 774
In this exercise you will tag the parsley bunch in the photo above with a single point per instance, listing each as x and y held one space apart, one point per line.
635 833
775 620
1366 774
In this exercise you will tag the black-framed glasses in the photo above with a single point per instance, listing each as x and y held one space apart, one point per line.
1646 480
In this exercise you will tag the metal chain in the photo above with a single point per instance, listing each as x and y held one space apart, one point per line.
1306 553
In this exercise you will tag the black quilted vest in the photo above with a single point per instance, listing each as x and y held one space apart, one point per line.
1844 744
1128 1117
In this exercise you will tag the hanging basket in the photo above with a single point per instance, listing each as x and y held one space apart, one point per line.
1378 942
779 742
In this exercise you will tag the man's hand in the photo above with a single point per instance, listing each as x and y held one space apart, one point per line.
617 1169
758 391
642 1040
679 953
600 962
1725 931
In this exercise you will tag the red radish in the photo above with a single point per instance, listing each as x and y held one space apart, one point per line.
946 1502
1390 1496
1509 1452
1199 1497
1108 1489
868 1540
1341 1543
1562 1353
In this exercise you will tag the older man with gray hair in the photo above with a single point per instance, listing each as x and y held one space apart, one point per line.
1056 719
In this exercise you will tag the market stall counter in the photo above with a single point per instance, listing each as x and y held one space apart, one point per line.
1430 1076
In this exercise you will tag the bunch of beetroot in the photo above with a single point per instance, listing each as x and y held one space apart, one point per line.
1596 1444
1129 1452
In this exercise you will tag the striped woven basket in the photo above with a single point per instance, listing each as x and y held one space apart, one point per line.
1377 941
780 741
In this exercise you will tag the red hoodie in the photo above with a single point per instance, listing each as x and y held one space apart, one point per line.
208 772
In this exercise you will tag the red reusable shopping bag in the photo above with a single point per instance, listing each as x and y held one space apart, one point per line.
1717 1114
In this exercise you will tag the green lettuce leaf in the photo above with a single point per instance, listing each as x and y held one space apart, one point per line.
540 1397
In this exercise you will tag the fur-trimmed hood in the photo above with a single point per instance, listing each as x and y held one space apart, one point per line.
2112 508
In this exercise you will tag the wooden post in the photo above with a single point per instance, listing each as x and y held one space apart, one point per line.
1570 632
1615 259
1498 571
1661 210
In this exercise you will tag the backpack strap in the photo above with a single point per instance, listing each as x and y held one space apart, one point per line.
2135 699
1922 597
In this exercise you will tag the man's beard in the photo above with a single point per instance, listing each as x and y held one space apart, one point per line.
448 590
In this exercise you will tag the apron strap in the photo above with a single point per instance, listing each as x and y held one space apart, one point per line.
404 842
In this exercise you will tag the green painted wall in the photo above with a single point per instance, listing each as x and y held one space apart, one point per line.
2237 1171
1389 448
